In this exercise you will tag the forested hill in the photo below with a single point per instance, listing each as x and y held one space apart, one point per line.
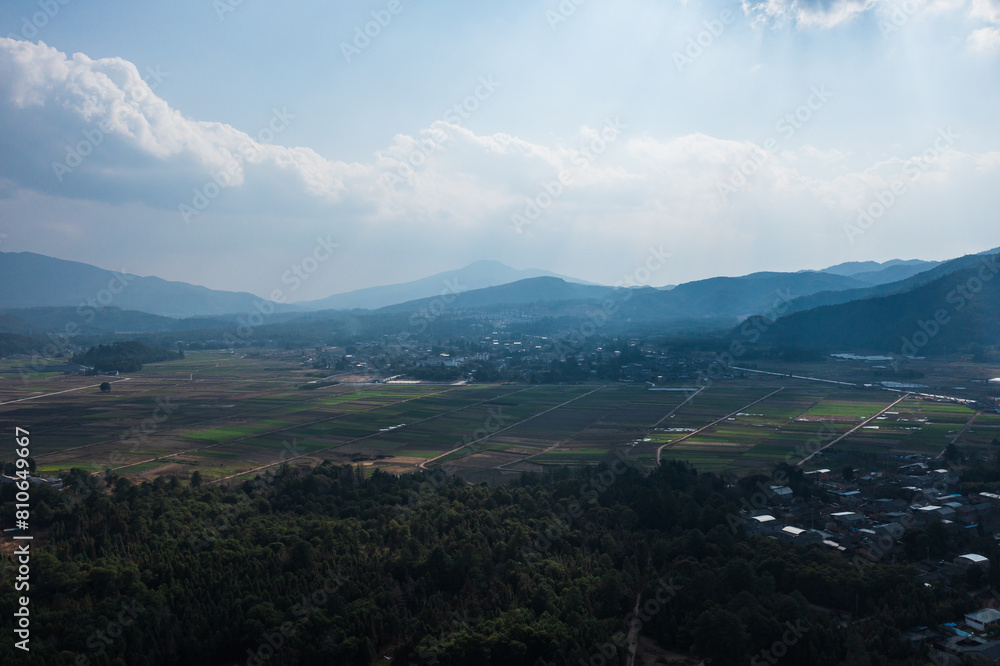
950 312
331 567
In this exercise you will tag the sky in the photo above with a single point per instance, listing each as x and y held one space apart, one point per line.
221 142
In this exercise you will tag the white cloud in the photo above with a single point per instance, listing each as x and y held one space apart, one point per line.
986 10
806 14
106 106
985 40
447 183
824 15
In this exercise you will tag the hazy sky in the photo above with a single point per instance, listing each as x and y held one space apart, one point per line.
215 142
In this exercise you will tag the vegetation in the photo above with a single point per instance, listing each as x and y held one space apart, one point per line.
12 343
335 567
123 356
956 311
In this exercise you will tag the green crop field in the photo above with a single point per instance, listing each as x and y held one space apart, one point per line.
227 415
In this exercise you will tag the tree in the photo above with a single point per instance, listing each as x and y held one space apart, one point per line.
196 479
105 387
951 452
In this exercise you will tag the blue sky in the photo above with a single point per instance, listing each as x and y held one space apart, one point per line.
224 138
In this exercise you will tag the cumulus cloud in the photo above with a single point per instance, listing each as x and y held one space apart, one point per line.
612 186
92 127
985 40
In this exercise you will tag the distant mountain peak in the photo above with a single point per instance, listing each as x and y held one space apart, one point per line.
480 274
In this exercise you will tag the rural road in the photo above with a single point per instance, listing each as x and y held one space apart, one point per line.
659 451
359 439
424 464
854 429
46 395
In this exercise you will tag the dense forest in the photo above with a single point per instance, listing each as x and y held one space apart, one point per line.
12 343
123 356
334 567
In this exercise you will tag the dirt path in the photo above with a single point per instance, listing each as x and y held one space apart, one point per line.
424 464
659 451
853 430
46 395
961 432
633 631
361 439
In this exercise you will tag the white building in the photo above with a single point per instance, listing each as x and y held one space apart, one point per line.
982 618
763 526
972 559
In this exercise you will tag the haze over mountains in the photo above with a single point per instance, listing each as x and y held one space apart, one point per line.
859 305
34 280
477 275
953 305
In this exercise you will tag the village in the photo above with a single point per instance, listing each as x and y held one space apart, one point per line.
914 516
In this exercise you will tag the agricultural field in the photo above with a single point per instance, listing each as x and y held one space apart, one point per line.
230 416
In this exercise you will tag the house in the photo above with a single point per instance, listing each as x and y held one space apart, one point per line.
847 519
782 493
972 559
850 497
983 509
762 525
966 513
891 530
946 513
982 619
799 535
886 505
928 514
822 474
951 651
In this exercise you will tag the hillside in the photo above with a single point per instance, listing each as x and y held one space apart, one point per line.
523 292
811 301
88 321
858 268
949 312
715 298
730 298
34 280
478 275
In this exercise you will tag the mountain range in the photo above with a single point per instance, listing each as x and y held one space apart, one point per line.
478 275
856 305
952 305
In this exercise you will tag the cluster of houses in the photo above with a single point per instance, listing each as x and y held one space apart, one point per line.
865 518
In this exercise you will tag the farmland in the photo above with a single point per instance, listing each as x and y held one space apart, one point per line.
230 416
